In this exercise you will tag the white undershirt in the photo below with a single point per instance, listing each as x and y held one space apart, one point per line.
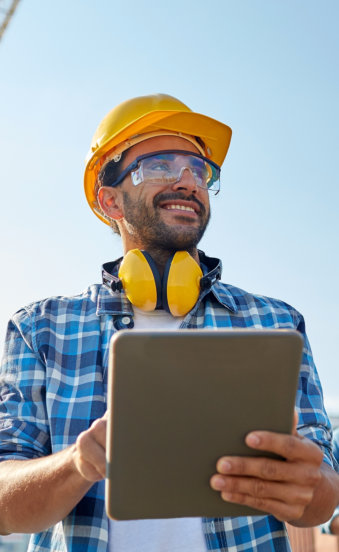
156 535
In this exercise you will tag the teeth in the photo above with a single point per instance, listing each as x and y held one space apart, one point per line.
180 207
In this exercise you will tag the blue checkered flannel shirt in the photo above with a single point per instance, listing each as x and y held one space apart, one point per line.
54 385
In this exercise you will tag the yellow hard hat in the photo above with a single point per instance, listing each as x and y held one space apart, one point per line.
147 115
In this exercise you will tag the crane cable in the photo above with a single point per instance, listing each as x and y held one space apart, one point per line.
8 15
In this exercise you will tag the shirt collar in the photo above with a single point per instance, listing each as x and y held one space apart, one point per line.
116 302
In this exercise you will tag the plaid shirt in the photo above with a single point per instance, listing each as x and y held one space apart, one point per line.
54 385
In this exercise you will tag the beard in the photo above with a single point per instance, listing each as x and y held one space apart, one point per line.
147 226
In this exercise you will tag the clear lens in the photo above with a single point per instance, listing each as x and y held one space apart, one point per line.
168 167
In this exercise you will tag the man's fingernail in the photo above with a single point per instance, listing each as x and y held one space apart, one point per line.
225 466
252 439
227 496
218 483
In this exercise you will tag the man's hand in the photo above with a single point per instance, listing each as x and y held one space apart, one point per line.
35 494
90 451
283 488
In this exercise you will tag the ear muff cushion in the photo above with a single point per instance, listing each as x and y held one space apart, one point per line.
183 283
138 280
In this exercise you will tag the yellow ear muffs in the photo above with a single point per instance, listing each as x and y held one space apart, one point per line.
140 279
177 291
181 283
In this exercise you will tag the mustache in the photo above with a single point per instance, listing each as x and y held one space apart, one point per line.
178 195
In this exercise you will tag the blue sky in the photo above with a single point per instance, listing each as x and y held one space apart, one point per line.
269 69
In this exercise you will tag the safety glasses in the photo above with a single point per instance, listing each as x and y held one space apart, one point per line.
167 167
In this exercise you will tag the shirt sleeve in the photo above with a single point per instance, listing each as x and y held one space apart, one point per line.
23 418
313 420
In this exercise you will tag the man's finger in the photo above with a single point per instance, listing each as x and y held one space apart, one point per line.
98 431
291 447
90 451
280 510
289 493
269 469
88 471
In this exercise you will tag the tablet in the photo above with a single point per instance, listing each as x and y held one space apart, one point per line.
178 401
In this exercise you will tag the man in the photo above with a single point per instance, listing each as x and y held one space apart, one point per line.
151 167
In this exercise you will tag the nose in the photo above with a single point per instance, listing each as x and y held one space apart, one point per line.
186 181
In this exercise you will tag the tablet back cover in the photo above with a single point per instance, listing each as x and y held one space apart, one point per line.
178 401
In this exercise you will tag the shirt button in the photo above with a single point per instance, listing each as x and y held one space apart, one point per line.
212 527
125 320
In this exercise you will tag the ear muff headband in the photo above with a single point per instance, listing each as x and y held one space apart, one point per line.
177 293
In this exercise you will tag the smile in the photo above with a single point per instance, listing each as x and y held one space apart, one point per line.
180 207
174 202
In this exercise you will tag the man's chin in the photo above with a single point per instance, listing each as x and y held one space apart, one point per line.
179 237
164 230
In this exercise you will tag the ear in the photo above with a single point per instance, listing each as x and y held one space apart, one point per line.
108 199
